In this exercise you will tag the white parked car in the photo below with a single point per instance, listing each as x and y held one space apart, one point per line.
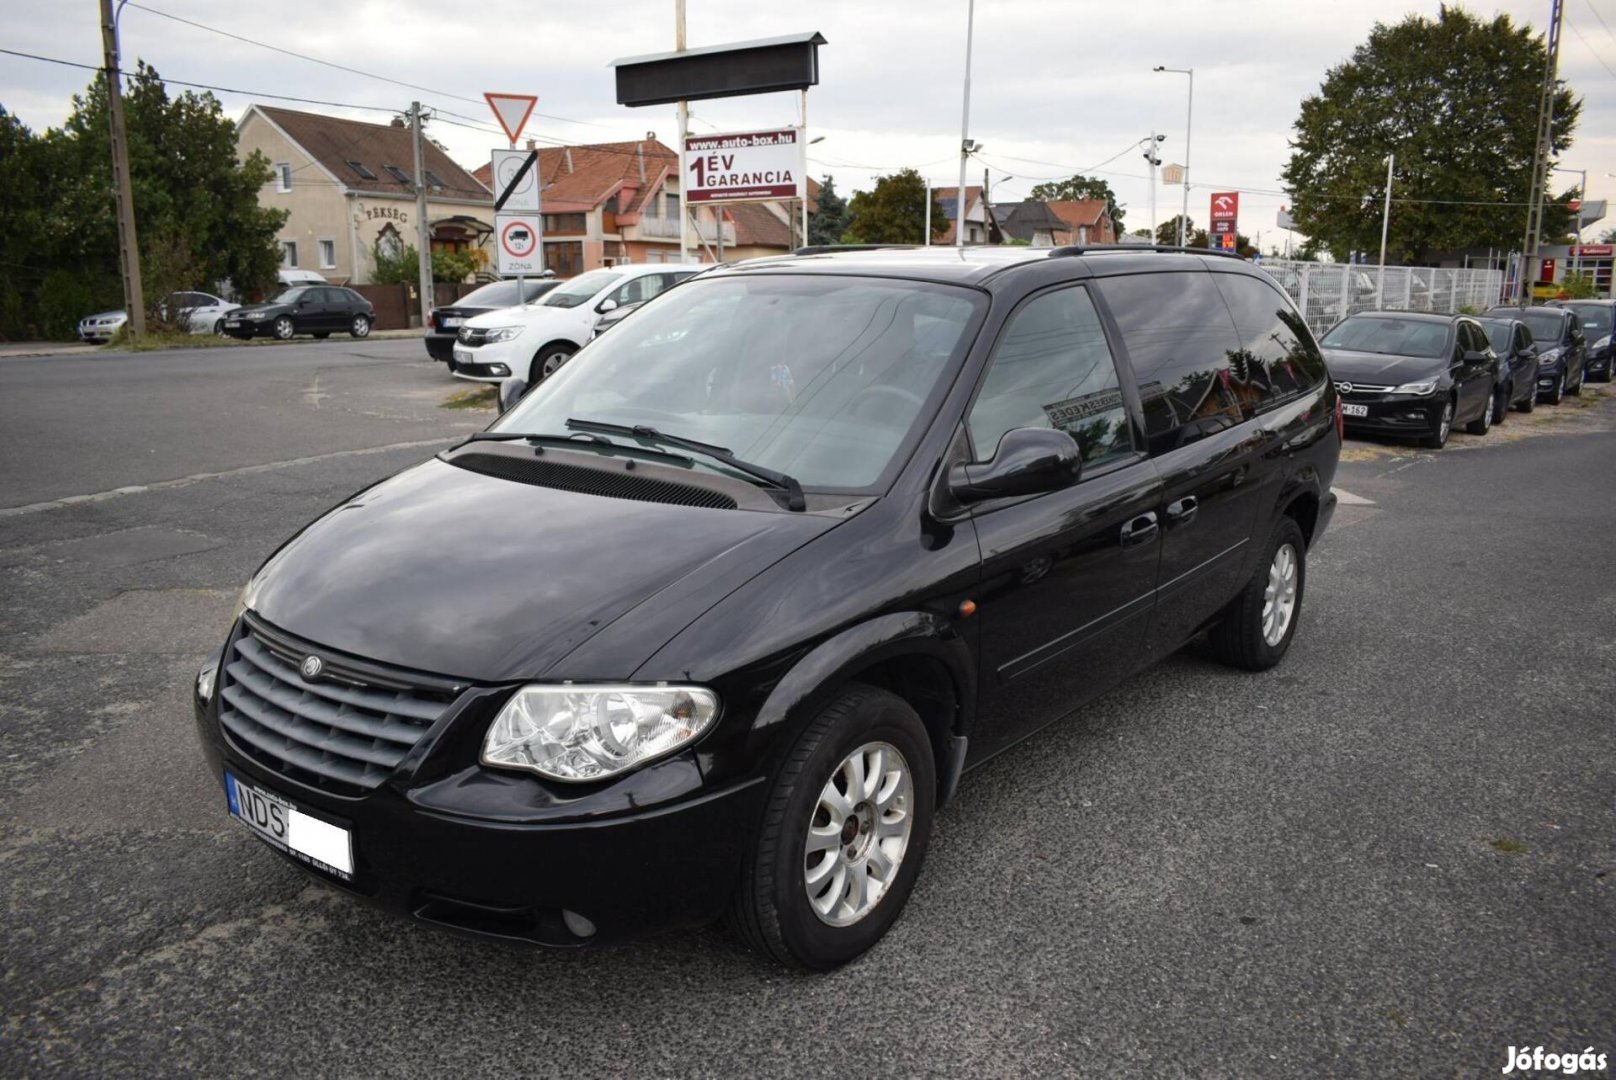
202 313
531 341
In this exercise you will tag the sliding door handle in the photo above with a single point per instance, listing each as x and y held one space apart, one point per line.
1140 530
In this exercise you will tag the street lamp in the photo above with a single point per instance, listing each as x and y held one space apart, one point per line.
1154 158
1189 115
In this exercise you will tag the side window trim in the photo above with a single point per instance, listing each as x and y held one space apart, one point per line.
1125 379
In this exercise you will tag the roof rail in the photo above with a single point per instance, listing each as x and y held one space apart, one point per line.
825 249
1100 249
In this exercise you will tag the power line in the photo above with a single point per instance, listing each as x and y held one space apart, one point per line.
1591 49
1600 17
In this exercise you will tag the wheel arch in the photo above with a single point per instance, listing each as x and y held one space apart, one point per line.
918 656
533 365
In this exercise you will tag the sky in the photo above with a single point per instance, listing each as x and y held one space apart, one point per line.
1057 86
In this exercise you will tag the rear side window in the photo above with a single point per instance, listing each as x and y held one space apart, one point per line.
1278 359
1053 369
1182 343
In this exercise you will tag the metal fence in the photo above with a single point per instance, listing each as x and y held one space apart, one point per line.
1326 293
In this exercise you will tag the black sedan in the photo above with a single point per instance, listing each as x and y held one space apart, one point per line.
304 309
1597 317
1511 339
446 321
1562 350
1413 374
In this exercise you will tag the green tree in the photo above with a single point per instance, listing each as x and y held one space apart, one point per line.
827 223
894 212
402 266
1167 231
196 207
1082 187
1455 99
1608 237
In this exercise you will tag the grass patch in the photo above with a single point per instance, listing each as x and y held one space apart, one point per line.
169 339
1508 847
486 397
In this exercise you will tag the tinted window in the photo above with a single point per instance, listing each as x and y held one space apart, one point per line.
1390 336
1544 324
1499 334
1278 358
1181 342
1595 318
1053 369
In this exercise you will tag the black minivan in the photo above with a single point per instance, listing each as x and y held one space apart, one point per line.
741 591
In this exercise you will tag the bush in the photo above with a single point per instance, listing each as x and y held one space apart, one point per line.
403 267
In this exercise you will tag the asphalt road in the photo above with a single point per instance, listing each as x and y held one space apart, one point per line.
1393 855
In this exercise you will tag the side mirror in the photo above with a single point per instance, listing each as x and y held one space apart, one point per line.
1028 461
606 305
1475 355
510 392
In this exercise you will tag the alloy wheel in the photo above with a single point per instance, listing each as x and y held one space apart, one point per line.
361 326
1444 426
553 362
284 328
1279 598
858 834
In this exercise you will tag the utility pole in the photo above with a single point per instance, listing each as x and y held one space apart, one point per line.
926 240
1385 224
966 146
1189 119
423 237
684 135
134 300
1154 159
1540 153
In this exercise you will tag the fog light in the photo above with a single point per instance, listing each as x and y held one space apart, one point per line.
498 369
579 925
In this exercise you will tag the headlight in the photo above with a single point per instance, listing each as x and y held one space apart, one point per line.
504 333
1601 345
583 733
1552 356
1421 388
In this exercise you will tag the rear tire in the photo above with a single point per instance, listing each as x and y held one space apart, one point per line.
360 327
1481 424
775 909
1529 402
1258 627
284 328
1501 396
1576 391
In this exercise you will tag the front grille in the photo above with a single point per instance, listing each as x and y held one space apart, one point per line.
345 730
582 479
1351 388
472 337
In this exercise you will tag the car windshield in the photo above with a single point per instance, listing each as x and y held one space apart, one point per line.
502 294
826 378
1544 324
580 289
1595 318
1393 337
289 296
1499 333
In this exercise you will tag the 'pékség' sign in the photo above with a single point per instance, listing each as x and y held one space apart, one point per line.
746 166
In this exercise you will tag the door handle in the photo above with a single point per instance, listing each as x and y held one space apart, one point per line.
1139 530
1182 511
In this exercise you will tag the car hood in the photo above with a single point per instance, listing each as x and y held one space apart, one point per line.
1379 368
118 314
443 570
526 315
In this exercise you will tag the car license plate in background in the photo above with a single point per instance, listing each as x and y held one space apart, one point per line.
452 322
1354 410
303 836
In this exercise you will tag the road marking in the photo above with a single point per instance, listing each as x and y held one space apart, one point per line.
197 478
1347 498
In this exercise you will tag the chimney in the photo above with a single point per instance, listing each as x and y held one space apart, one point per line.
567 151
532 144
639 156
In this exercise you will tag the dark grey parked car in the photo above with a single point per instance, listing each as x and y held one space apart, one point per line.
1511 339
1562 350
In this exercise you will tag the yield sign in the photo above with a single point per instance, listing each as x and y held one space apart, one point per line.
512 111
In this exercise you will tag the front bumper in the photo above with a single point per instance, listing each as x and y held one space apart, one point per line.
248 328
1394 414
1548 376
499 853
487 363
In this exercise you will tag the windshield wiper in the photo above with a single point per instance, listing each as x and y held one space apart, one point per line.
574 439
795 500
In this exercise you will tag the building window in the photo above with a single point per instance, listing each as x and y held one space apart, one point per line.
653 255
328 254
283 176
397 173
670 204
432 178
566 259
361 170
565 223
288 252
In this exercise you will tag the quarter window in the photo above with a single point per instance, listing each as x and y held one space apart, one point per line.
1181 343
1278 359
1053 369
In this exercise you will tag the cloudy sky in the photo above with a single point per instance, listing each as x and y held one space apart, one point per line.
1058 86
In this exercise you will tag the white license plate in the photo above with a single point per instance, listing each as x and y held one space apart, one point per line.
463 355
305 837
452 322
1354 410
233 324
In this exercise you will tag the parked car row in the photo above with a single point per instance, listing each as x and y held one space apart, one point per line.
740 592
198 312
1416 375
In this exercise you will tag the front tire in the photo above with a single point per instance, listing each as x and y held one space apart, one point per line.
843 836
1444 427
1501 396
284 328
1559 392
1481 424
548 360
1257 629
1576 391
1529 402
